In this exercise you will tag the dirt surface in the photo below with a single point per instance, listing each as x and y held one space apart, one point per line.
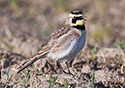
100 73
25 25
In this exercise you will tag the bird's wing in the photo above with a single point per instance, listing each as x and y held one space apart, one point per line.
64 44
45 49
53 40
58 34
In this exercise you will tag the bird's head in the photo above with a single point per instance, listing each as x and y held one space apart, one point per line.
77 19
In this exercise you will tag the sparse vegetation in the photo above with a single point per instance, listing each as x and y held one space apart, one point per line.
121 45
26 24
53 80
91 82
25 79
65 84
94 52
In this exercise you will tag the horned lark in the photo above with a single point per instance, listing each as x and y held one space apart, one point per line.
64 44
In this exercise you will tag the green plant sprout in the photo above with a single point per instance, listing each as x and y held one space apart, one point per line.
53 80
94 51
92 79
65 84
27 77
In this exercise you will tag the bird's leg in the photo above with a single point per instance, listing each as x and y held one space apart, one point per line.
70 63
61 70
67 65
69 72
51 66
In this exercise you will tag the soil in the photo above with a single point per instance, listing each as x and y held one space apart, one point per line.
25 25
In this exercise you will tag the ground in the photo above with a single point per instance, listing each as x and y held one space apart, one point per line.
26 25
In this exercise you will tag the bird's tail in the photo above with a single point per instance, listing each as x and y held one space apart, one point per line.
40 54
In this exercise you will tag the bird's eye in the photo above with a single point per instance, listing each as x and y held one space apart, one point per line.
74 20
80 18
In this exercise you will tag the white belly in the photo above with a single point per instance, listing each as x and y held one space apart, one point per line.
69 53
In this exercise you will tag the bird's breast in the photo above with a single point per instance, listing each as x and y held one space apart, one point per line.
71 46
80 42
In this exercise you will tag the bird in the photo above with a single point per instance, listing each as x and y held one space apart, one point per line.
64 44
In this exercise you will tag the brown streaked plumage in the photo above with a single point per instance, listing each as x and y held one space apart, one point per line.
64 44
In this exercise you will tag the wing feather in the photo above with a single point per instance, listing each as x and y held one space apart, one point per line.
62 36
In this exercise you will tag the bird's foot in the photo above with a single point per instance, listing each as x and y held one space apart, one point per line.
52 68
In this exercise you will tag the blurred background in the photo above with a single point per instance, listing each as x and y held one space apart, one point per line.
26 24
